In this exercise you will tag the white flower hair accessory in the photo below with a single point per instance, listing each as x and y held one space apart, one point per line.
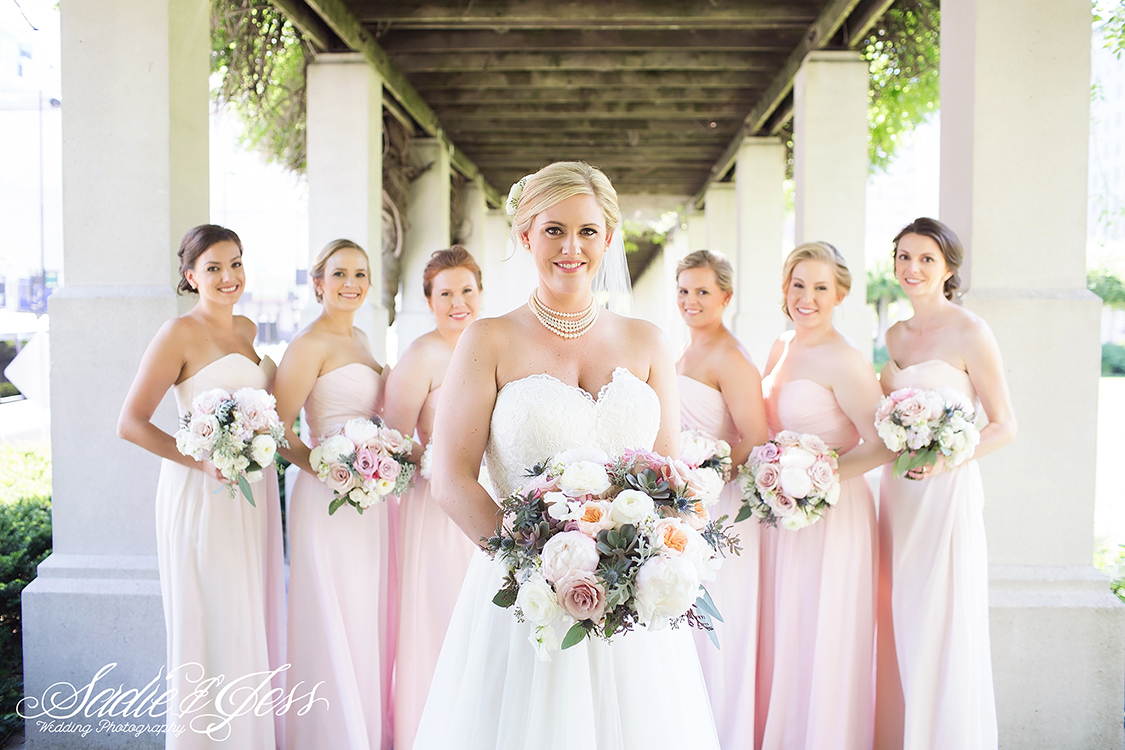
514 196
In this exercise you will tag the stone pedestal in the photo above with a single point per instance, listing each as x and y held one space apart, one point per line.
1015 83
830 171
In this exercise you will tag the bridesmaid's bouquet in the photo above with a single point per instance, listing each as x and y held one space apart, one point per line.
238 432
363 461
789 481
702 451
921 424
602 545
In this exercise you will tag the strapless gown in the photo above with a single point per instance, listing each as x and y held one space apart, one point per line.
940 590
490 691
433 556
342 591
221 577
729 671
818 607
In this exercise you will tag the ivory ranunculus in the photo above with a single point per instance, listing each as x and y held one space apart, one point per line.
709 485
582 595
631 506
666 587
537 601
262 449
566 552
795 482
832 495
584 478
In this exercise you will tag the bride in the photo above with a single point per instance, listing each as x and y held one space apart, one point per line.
555 374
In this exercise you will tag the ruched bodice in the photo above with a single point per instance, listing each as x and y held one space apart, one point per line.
807 406
930 374
538 416
353 391
229 372
704 408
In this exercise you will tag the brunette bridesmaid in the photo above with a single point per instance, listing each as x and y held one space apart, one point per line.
342 593
216 566
818 612
434 553
934 515
721 395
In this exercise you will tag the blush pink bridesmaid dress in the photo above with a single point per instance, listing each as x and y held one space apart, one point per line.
342 589
939 595
221 579
816 686
434 554
729 671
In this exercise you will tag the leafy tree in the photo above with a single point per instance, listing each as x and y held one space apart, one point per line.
1107 285
1111 17
882 290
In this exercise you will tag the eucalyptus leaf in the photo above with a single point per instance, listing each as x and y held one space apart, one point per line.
743 513
574 636
707 605
245 487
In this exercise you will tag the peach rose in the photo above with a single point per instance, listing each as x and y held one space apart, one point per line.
670 533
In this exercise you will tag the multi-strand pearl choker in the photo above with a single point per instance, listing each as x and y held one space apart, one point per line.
566 325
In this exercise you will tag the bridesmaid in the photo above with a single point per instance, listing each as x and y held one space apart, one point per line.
213 550
434 553
935 514
342 597
818 617
721 395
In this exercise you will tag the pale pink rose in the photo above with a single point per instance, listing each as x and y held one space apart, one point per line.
204 430
795 482
375 444
542 484
787 438
902 394
766 453
366 463
395 442
582 595
767 477
675 473
208 401
257 408
813 444
340 479
913 410
782 505
642 459
822 475
388 468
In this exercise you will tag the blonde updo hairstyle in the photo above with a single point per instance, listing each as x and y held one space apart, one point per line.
556 182
326 252
717 262
819 251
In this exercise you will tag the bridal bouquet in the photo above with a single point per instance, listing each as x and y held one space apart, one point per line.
789 481
603 544
237 432
702 451
921 424
363 461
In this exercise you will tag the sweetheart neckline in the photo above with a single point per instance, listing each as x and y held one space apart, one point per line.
926 362
589 397
700 382
349 364
257 364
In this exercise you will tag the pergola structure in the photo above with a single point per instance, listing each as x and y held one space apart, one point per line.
679 100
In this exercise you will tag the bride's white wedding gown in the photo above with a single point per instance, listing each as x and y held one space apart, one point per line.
490 691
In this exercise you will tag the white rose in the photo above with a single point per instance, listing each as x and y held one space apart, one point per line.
537 601
893 435
584 477
631 506
336 448
262 448
832 494
203 431
666 588
713 485
797 458
360 498
359 431
567 551
545 640
795 482
185 445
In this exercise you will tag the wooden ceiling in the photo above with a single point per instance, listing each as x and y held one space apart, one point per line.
657 93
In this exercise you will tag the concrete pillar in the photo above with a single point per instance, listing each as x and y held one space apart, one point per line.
345 173
830 171
696 222
760 217
135 175
721 221
472 231
1015 87
427 230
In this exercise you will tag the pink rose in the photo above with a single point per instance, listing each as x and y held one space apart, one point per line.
782 505
813 444
366 463
375 445
641 459
388 468
394 441
886 408
767 478
902 394
542 484
822 475
675 473
913 410
582 595
340 479
208 401
787 438
766 453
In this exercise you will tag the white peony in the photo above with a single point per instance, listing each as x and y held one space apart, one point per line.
795 482
631 506
567 551
797 458
208 401
262 449
695 447
537 602
359 431
249 398
584 478
666 588
336 448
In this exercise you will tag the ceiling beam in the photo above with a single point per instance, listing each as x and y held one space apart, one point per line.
462 113
311 25
396 40
693 60
556 79
744 96
336 16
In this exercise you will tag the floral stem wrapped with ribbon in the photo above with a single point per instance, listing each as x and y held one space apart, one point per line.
363 462
238 432
595 546
920 425
790 481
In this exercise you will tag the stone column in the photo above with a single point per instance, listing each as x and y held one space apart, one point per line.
696 222
1015 82
345 173
135 170
721 221
830 171
760 217
427 230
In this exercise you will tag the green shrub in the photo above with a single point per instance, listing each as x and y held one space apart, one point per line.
880 358
25 472
1113 359
7 389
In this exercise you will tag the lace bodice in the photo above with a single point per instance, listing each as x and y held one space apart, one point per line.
538 416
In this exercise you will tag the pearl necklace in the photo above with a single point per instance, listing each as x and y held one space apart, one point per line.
566 325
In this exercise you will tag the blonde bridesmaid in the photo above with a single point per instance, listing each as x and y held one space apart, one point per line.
219 575
342 600
434 553
721 395
818 612
935 514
